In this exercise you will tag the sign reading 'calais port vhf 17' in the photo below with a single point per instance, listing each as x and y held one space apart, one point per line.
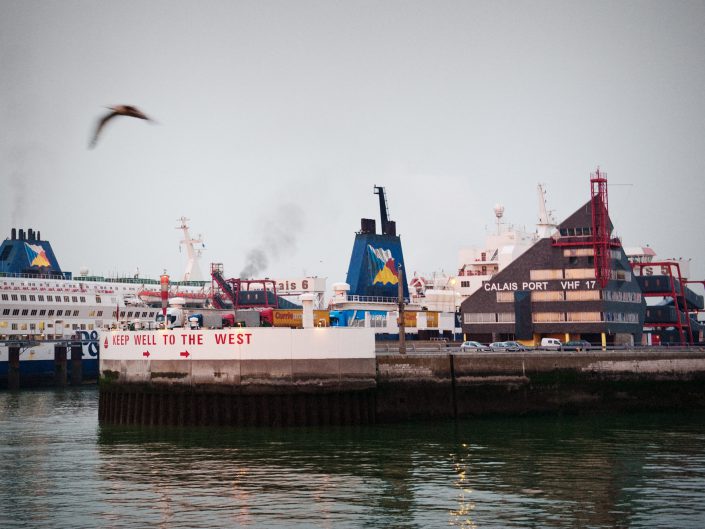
574 284
234 344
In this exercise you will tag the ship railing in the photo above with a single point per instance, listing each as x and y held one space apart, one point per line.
34 276
374 299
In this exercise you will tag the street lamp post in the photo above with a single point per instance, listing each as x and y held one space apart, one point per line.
402 330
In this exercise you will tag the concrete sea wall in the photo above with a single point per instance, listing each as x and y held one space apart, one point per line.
435 385
238 377
280 377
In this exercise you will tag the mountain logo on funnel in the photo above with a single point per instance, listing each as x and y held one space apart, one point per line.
383 266
36 255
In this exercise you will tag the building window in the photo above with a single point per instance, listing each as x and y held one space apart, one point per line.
5 312
42 312
584 316
626 297
580 273
50 313
547 317
541 275
505 317
60 312
582 295
622 317
549 295
99 314
34 312
97 299
75 313
480 317
23 297
620 275
505 297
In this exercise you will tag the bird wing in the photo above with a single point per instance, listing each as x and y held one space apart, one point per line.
139 114
100 126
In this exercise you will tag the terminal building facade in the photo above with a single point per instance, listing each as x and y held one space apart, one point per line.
553 290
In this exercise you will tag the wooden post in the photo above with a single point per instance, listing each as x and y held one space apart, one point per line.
76 363
60 365
13 368
402 329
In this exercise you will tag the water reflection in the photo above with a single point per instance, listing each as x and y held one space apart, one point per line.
59 468
551 472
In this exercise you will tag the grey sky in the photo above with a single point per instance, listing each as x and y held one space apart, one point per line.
265 106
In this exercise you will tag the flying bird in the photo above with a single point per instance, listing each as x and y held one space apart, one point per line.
119 110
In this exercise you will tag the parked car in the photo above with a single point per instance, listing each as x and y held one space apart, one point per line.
550 343
473 346
508 346
577 345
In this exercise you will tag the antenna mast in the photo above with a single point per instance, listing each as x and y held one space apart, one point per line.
193 271
383 208
546 222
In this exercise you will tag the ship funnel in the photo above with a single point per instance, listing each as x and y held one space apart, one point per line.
21 234
30 234
39 236
391 228
13 234
367 226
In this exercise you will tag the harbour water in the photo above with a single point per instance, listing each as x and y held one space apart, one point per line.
59 468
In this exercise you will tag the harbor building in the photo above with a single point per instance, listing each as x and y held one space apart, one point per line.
575 283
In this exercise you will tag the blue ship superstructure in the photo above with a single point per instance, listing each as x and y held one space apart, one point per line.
376 258
42 308
25 254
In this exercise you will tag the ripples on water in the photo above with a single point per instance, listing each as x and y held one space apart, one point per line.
59 469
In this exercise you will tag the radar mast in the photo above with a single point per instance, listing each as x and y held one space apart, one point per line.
193 271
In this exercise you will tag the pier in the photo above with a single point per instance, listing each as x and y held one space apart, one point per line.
433 384
238 377
289 377
55 363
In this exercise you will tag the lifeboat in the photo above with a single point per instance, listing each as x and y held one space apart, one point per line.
199 299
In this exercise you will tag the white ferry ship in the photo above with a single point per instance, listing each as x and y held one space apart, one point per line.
504 244
40 305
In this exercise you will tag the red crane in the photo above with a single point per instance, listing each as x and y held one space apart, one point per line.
600 226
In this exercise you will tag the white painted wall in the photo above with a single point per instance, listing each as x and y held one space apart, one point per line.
248 344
